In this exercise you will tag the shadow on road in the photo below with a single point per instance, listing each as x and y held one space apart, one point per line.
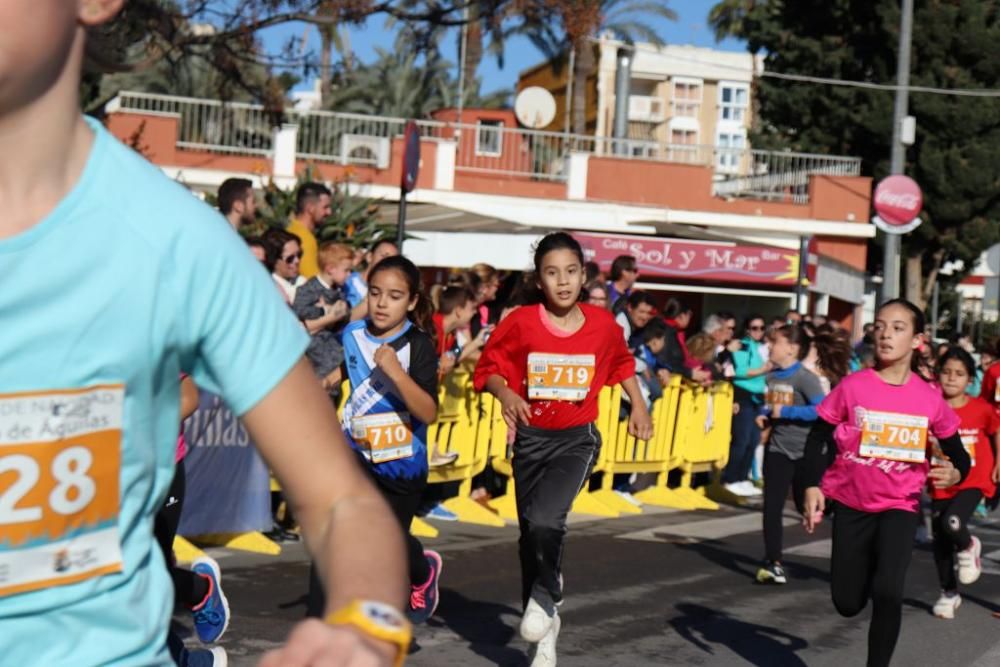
480 624
747 566
757 644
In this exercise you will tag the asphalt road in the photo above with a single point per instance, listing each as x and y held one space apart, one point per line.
661 588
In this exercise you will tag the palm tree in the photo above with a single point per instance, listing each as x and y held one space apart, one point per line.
582 21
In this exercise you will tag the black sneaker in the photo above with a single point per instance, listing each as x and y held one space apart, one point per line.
771 573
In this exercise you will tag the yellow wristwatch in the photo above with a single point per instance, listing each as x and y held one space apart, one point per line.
378 621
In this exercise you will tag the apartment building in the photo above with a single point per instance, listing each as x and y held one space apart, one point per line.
686 103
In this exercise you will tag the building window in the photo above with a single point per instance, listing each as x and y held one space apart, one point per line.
686 100
489 137
734 100
683 145
729 149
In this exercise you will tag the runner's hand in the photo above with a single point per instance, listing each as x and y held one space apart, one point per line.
314 643
944 474
996 473
812 508
386 359
639 423
515 409
761 422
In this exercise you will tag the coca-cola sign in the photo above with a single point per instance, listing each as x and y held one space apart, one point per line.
897 203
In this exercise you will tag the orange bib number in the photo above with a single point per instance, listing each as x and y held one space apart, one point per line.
781 394
895 437
60 461
559 377
387 436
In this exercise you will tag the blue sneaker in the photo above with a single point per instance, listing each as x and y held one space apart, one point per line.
424 598
441 513
211 617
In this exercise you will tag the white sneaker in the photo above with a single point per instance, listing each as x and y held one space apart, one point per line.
946 605
969 564
545 650
751 489
736 488
629 498
537 621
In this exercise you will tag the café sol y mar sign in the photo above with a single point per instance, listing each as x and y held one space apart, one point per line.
897 203
694 260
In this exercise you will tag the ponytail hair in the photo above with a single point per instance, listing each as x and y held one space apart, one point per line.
833 352
423 313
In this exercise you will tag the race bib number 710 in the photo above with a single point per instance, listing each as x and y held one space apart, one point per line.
60 460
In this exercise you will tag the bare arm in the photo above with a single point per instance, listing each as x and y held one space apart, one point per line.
189 398
640 424
354 539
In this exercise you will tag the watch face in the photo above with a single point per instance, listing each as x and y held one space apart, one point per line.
383 615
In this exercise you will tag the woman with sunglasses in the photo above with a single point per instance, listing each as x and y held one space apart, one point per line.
751 366
283 255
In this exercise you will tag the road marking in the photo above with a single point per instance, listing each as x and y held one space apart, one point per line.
710 529
813 549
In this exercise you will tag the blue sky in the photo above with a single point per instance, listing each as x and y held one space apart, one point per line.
691 27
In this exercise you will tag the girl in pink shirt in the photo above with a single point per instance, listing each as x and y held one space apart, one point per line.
879 421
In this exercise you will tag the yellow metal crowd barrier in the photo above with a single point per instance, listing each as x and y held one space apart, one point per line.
691 427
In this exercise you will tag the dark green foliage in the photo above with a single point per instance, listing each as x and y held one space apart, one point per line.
956 44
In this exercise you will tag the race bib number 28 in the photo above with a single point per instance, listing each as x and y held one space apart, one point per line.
60 460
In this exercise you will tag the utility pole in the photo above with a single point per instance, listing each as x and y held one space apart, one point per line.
890 260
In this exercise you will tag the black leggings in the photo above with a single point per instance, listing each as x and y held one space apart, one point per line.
189 588
871 553
780 474
403 497
950 520
550 468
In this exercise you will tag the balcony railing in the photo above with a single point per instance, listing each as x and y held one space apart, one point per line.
343 138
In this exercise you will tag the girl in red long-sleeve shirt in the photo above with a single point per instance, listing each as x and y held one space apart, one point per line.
547 363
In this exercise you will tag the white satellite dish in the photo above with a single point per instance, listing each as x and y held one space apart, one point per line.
535 107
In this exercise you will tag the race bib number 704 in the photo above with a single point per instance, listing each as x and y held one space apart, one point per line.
893 436
60 460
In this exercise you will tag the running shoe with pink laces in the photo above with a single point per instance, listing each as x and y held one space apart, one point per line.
424 598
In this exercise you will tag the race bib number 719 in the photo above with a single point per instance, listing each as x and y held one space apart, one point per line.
60 459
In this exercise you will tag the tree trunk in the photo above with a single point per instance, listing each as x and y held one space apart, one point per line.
325 65
914 280
933 275
582 69
474 51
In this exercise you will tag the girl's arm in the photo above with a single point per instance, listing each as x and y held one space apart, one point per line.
814 461
189 397
515 409
954 450
996 457
640 424
802 413
419 403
